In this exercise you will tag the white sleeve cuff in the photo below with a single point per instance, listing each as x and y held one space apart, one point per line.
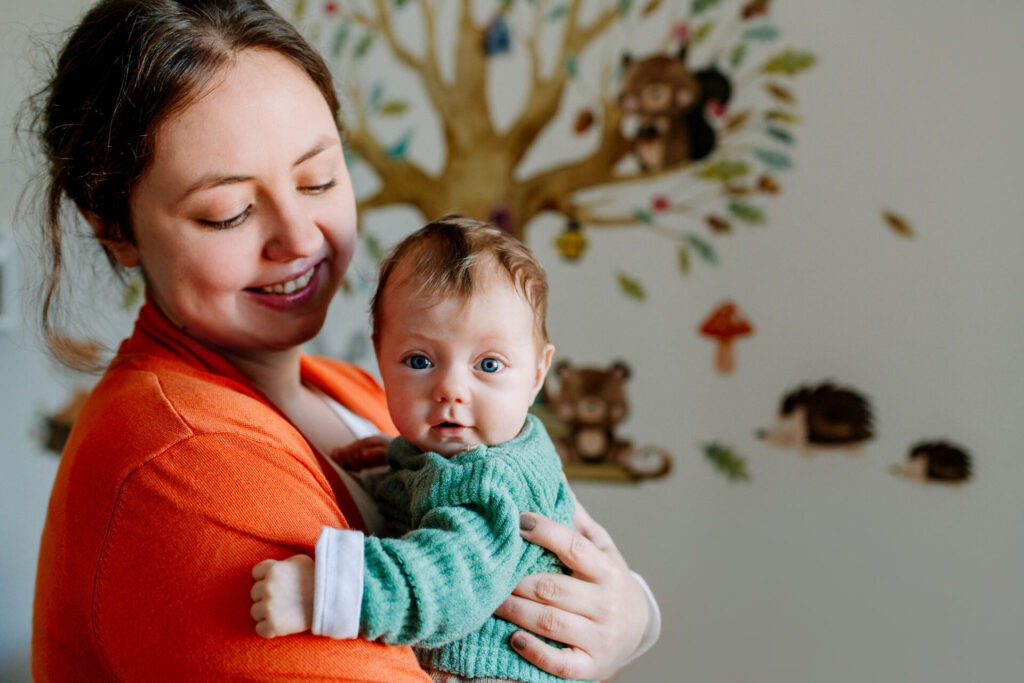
653 629
338 591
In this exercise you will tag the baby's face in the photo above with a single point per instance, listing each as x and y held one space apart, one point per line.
459 373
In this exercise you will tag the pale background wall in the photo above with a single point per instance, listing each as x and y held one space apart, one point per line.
823 569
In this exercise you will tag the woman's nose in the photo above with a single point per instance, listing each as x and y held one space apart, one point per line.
292 233
450 387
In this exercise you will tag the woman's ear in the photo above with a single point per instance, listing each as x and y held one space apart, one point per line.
123 251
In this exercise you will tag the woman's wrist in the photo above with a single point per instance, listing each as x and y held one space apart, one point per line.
653 628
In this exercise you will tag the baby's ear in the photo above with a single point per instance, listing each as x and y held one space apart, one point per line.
543 365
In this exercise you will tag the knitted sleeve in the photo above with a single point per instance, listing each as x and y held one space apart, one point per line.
444 578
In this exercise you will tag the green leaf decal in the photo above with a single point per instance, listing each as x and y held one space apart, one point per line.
704 249
572 66
133 293
789 62
374 247
748 213
644 216
624 7
729 463
698 6
781 116
684 260
702 32
376 94
763 32
631 288
299 10
558 12
780 134
737 55
725 170
773 159
398 150
364 45
340 38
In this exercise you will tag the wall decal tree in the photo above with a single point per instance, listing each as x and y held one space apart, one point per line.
708 160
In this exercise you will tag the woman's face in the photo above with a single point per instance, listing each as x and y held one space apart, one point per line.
244 222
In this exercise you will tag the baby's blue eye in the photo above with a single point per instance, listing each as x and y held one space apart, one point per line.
490 365
418 362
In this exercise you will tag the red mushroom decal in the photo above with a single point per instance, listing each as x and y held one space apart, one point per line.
725 324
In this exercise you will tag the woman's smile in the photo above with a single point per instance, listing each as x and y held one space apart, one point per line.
291 293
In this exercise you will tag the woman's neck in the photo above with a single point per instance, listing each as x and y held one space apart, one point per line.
275 373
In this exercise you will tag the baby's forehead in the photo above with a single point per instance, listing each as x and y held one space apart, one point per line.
407 296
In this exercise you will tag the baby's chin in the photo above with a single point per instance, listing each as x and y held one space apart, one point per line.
449 450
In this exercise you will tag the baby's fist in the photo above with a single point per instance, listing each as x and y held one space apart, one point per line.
282 596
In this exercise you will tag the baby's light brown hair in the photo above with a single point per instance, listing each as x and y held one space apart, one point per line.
446 254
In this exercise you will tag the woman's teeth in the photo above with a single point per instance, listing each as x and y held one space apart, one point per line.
291 285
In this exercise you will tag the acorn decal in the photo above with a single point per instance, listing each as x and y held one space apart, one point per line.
572 242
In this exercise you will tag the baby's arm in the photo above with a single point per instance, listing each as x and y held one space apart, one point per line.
433 585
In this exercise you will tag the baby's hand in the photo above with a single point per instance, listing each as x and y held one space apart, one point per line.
282 597
362 453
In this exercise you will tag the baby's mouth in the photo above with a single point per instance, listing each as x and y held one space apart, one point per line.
449 430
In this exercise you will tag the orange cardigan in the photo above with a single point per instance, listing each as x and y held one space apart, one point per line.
178 477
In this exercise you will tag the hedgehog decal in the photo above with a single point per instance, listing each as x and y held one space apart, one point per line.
821 417
936 461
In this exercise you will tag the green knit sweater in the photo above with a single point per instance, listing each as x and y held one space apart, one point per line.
437 586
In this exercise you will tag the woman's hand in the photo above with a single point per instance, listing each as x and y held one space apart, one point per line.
282 597
600 612
362 453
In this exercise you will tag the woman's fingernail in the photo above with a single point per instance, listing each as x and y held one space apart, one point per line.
526 522
518 642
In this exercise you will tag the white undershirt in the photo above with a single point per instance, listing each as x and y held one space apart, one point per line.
338 593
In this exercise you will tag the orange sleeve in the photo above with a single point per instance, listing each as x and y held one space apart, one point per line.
171 596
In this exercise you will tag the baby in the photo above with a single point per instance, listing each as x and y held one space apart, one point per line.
458 328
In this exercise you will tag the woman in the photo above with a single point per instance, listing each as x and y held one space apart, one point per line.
199 140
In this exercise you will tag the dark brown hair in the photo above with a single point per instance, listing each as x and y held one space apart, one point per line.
126 67
446 254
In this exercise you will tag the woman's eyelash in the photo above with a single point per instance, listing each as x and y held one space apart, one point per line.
230 222
317 189
236 220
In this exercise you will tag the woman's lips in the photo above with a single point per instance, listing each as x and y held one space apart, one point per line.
294 299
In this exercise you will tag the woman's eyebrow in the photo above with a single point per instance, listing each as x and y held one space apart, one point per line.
320 145
213 180
217 179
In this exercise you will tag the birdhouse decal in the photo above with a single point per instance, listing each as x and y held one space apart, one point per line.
497 38
724 326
